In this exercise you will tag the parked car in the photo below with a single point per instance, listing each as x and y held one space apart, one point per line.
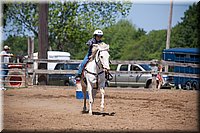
64 79
134 75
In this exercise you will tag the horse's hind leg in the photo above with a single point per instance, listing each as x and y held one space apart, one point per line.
84 99
94 92
83 86
90 97
102 98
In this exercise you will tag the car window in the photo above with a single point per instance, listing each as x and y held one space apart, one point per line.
59 67
146 67
124 68
113 67
71 66
135 68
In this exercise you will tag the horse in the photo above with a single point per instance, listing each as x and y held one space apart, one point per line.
94 75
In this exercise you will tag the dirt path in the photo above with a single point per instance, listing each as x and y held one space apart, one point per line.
50 108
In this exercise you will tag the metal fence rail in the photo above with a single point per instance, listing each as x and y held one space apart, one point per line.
16 77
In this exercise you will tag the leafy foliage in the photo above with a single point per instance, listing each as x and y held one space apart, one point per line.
20 19
150 46
19 45
185 34
70 24
119 36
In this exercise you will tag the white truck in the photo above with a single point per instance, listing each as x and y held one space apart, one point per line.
131 75
52 55
134 75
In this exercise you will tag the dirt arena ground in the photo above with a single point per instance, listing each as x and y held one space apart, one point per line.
55 109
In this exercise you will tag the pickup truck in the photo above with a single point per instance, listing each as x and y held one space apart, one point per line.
135 75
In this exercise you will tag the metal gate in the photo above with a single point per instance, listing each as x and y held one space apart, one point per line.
16 76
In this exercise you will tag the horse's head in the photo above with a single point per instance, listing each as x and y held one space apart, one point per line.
102 55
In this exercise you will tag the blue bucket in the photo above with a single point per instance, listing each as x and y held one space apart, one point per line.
79 95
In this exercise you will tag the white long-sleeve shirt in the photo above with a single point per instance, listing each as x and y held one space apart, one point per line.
5 57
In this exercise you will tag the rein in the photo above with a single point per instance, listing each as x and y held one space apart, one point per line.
98 60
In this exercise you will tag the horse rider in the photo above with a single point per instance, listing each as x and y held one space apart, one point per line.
97 35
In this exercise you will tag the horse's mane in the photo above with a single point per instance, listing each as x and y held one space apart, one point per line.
103 46
96 47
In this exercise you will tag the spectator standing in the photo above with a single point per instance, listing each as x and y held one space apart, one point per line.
5 56
159 76
154 72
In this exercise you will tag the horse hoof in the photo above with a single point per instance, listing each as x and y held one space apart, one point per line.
84 111
90 113
102 110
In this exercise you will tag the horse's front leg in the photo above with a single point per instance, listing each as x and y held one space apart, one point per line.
89 87
102 98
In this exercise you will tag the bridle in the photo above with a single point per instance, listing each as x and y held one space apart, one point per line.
97 63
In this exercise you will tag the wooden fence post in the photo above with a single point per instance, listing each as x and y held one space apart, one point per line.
43 40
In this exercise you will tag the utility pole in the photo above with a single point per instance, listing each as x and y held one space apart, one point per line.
30 60
169 30
169 25
43 40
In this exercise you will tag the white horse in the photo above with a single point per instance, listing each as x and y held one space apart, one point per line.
94 74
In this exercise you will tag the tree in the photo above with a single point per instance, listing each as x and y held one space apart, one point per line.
20 19
19 45
70 24
185 33
150 46
120 36
147 47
